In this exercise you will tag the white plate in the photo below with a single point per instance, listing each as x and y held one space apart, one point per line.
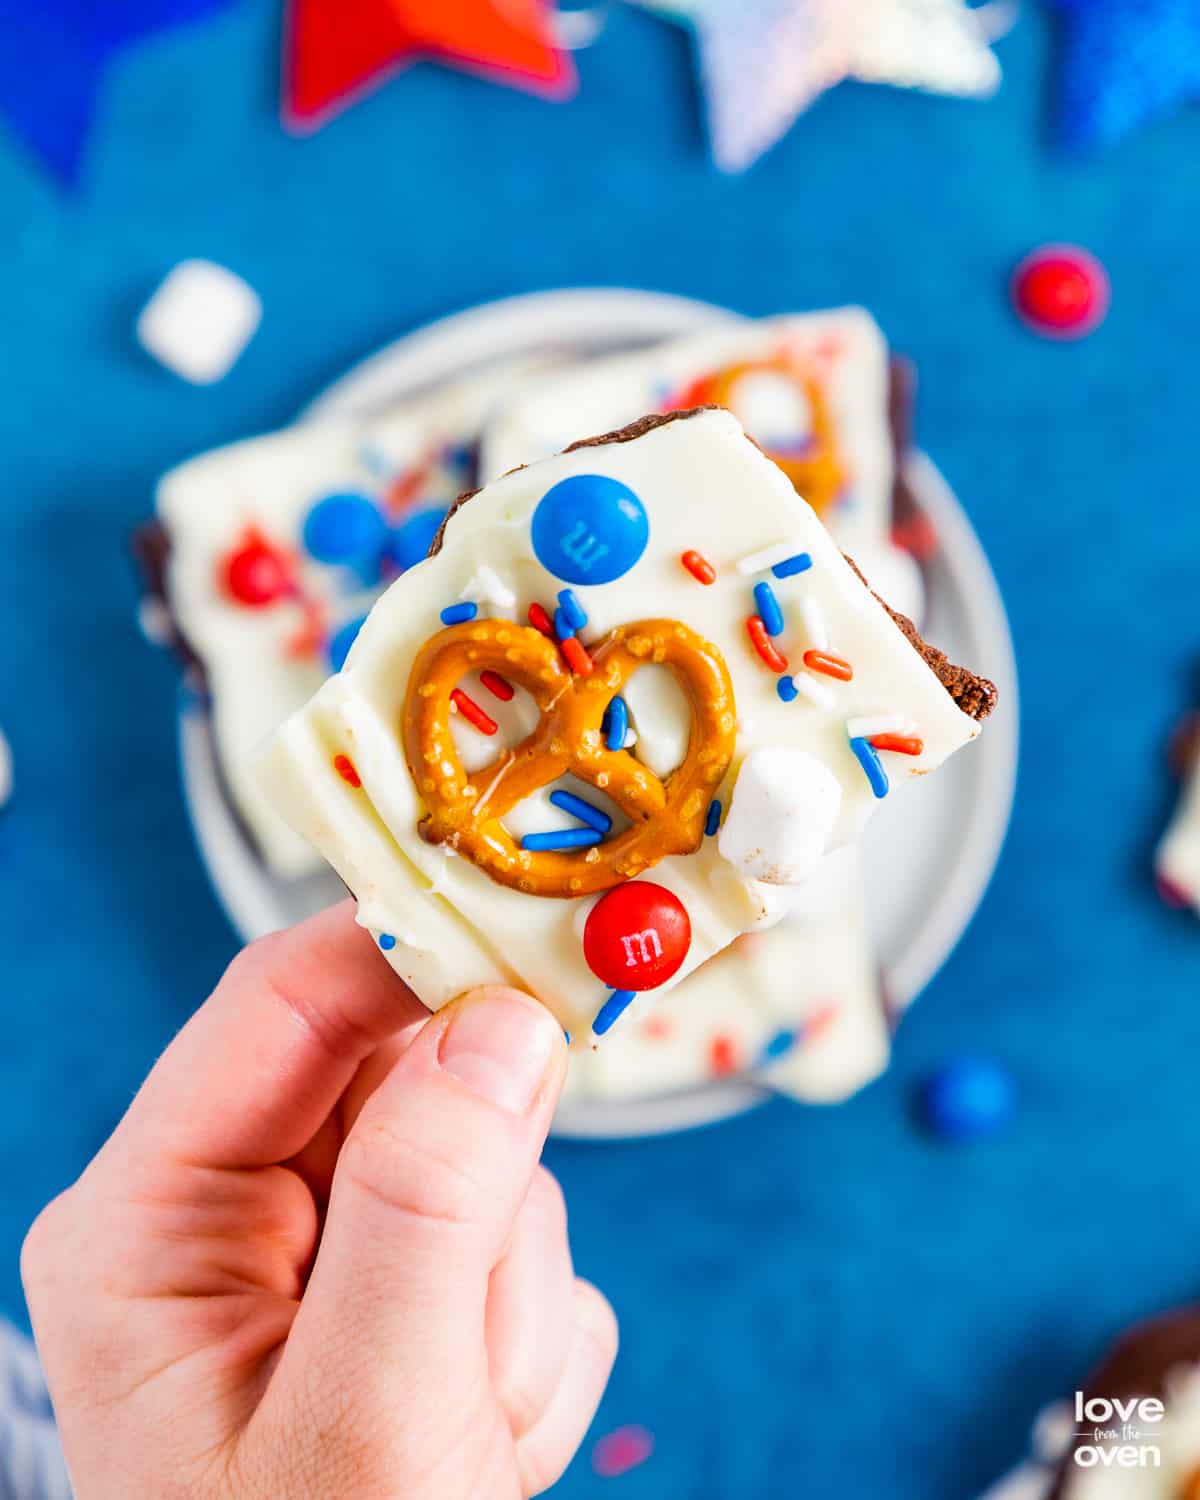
930 853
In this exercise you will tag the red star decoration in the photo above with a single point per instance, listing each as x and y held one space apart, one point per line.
338 50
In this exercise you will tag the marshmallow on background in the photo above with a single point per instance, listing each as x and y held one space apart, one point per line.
199 320
784 810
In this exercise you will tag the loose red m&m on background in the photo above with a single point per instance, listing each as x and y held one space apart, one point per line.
636 936
1061 291
256 573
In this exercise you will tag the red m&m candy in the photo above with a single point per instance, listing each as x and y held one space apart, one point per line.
256 573
1061 291
636 936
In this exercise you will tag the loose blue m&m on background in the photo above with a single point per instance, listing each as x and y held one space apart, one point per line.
341 641
345 528
969 1098
589 529
409 543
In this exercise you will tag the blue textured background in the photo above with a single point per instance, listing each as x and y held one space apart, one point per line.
818 1303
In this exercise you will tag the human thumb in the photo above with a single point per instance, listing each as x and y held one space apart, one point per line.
427 1187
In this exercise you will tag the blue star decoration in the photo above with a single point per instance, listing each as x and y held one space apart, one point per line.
1124 64
53 56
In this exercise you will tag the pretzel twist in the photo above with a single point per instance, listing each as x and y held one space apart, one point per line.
817 473
465 812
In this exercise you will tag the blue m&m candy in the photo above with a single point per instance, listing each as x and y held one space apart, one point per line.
410 543
589 529
341 641
969 1098
345 528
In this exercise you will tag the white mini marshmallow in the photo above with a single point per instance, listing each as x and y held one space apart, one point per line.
785 805
199 320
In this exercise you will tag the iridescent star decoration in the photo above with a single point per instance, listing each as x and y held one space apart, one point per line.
53 58
763 62
337 50
1124 63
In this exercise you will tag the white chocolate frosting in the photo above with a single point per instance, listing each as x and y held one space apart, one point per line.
266 485
704 487
842 349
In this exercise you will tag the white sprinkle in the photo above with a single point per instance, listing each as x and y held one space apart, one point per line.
815 628
759 562
863 728
816 692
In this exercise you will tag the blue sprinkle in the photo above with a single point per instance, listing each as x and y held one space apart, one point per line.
778 1046
459 614
612 1010
573 611
563 628
615 725
712 820
562 838
768 608
790 566
787 689
869 760
594 817
339 645
969 1098
567 1036
386 941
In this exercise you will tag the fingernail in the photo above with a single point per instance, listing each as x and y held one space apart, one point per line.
500 1044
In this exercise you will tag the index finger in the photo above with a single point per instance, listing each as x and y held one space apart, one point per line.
260 1066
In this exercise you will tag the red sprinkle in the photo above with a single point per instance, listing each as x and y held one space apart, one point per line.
656 1028
699 567
621 1451
819 1021
830 665
765 647
496 685
902 744
540 620
344 766
722 1056
576 657
309 638
472 712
